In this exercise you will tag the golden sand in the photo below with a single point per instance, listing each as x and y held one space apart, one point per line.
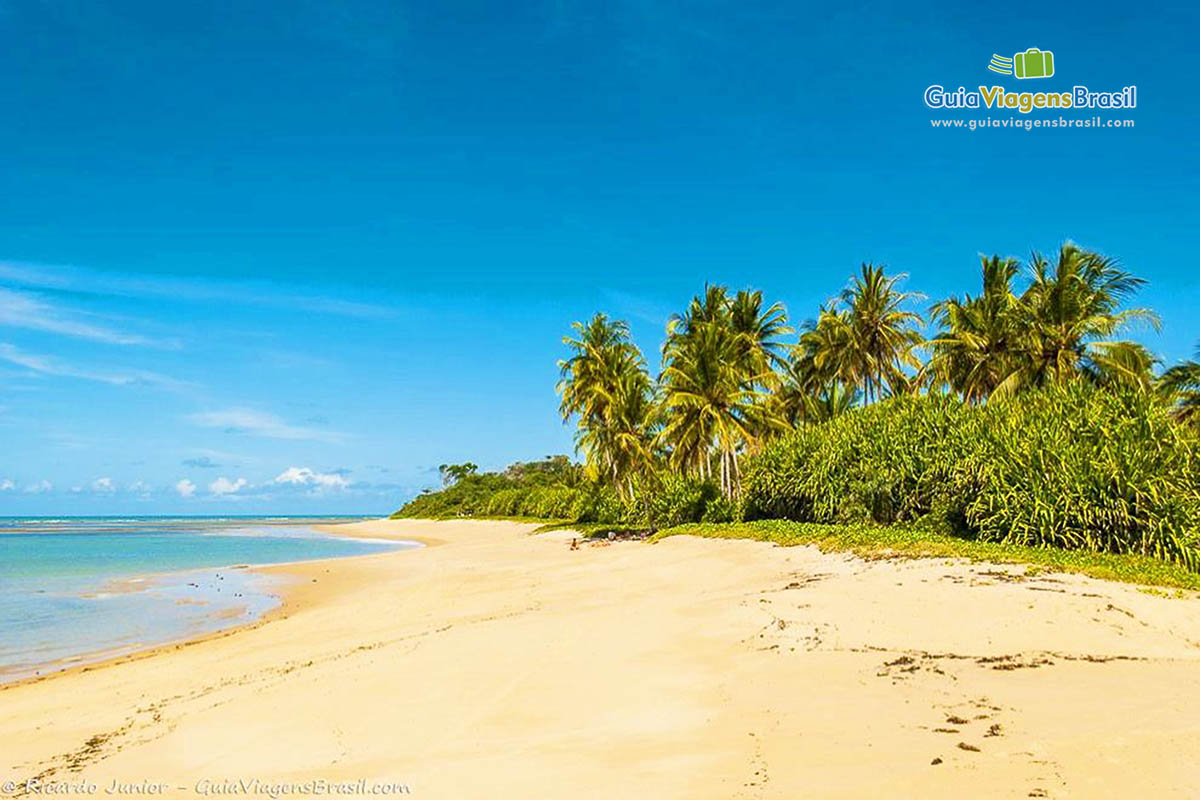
496 664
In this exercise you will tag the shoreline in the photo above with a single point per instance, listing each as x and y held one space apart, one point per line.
752 670
296 576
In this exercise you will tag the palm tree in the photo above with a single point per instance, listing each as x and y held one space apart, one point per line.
711 307
606 385
882 334
1057 330
819 378
1066 318
974 352
718 363
708 403
757 331
1120 364
826 351
800 400
1180 385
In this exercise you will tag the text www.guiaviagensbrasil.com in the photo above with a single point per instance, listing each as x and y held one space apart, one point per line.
1024 124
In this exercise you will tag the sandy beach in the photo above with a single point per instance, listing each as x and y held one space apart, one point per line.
497 664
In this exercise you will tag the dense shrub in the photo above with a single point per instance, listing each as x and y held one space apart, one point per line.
546 489
721 509
504 503
675 500
597 503
888 463
541 502
662 501
549 502
468 497
1084 469
1074 467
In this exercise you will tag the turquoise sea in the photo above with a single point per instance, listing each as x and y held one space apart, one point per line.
84 588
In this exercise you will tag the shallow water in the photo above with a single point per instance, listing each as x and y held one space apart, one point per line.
80 589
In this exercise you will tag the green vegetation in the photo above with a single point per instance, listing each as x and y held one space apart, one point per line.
1023 421
546 489
1072 466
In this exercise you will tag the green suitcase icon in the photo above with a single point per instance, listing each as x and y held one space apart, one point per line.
1034 63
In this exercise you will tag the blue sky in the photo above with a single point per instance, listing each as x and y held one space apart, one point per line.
288 257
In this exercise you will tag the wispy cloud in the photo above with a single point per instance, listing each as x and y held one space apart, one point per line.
185 488
74 279
48 365
29 311
200 462
258 423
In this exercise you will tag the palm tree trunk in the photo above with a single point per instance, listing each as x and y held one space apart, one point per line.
728 465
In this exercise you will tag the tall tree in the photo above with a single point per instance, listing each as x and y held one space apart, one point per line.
605 384
819 379
975 350
718 363
757 331
453 473
882 333
1067 318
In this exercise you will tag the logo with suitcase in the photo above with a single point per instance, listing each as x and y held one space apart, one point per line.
1033 63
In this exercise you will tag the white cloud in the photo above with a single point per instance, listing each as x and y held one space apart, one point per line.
224 486
258 423
185 488
140 488
318 481
40 487
22 310
6 485
103 485
47 365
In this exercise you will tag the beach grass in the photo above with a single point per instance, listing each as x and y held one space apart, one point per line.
919 541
